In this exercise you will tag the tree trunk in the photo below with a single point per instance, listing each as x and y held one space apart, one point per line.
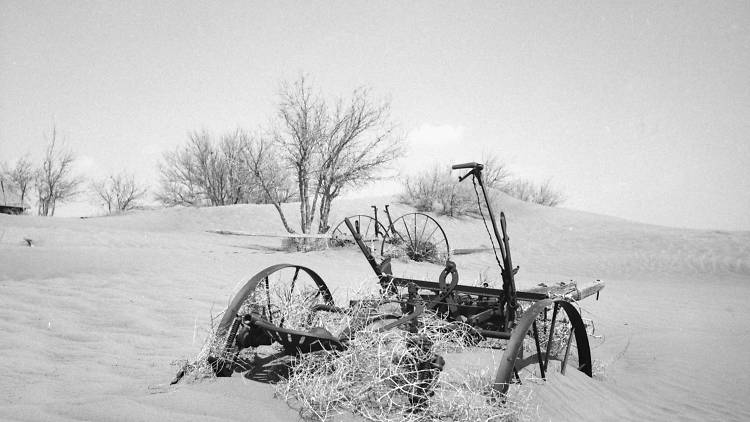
283 218
325 211
303 210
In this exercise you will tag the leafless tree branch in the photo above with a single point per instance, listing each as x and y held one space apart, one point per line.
54 180
118 193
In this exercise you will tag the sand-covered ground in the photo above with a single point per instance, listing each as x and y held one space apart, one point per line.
92 316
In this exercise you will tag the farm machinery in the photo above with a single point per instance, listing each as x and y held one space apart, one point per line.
416 235
279 306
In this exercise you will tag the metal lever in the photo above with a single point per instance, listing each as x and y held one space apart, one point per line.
461 178
476 168
471 165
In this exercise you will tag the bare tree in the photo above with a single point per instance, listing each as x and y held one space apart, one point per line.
422 190
206 172
329 150
360 140
302 116
180 183
272 178
54 180
495 173
118 193
20 176
5 183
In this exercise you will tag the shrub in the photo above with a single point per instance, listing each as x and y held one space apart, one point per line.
528 191
437 190
422 190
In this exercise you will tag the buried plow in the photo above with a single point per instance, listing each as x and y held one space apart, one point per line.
287 306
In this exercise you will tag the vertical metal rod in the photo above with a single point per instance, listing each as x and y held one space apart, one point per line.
268 300
551 334
416 239
377 228
390 221
538 350
406 228
294 279
499 238
509 284
424 226
291 291
567 351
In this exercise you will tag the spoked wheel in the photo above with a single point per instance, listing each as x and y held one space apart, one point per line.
418 237
285 295
366 225
277 304
549 329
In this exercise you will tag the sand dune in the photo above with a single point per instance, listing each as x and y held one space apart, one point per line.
92 316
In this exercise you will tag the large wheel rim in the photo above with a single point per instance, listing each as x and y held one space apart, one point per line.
281 293
419 237
550 340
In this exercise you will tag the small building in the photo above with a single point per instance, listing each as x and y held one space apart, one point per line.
10 200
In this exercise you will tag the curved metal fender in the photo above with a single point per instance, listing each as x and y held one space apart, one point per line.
251 284
510 356
582 338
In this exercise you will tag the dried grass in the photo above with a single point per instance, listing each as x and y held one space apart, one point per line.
200 367
377 378
398 248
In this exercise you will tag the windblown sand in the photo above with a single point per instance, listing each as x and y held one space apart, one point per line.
93 315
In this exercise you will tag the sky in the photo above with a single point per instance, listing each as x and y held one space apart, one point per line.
639 110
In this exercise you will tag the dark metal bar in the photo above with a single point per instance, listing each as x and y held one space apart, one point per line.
377 229
474 290
390 221
551 335
509 283
538 350
268 299
294 280
406 228
365 250
291 291
478 175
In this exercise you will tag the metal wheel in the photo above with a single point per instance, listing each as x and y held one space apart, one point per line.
418 237
547 330
283 294
341 236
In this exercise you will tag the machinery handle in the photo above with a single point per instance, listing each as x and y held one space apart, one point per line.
471 165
